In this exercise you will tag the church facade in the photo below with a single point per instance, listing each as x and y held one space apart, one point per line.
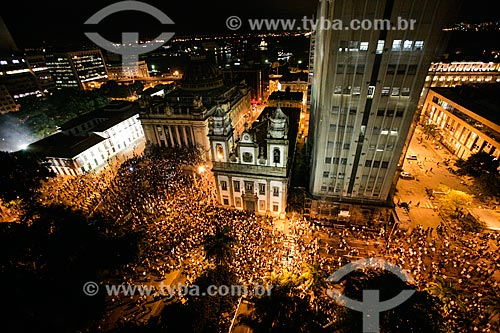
252 172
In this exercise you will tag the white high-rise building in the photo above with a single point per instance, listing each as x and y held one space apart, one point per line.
365 91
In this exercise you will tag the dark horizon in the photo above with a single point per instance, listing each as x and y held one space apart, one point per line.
62 23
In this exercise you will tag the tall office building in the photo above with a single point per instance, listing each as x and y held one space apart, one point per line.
366 85
75 69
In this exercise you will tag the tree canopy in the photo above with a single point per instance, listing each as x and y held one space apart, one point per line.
21 174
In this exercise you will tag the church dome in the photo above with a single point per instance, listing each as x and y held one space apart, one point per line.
201 75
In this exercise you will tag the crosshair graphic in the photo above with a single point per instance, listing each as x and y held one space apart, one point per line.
371 306
130 49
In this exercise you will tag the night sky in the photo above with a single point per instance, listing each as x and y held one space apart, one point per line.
62 22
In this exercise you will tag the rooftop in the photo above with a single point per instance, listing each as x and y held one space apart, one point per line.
64 146
287 96
482 99
114 112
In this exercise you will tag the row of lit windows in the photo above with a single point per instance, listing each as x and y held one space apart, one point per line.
386 91
249 187
397 45
391 69
14 61
464 67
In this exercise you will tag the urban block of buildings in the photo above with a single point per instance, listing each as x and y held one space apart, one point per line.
89 142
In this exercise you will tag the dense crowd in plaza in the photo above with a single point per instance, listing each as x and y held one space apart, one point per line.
168 198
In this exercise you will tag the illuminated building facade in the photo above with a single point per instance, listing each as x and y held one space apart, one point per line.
467 116
253 172
451 74
365 91
128 71
180 116
19 80
89 141
75 69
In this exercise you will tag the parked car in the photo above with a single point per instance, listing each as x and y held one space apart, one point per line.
406 175
412 157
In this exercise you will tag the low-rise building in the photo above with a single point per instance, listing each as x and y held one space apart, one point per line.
90 141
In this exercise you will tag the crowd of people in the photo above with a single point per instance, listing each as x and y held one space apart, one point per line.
166 197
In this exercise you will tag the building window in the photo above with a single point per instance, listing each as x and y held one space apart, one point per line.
326 174
328 160
236 185
249 186
262 189
347 146
363 46
225 201
247 157
223 185
276 191
380 47
407 45
368 163
276 155
219 151
343 161
237 202
275 207
419 45
262 204
396 45
386 91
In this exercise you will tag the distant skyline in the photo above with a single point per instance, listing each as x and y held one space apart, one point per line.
62 22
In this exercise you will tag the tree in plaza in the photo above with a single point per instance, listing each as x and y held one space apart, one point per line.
199 312
207 313
45 266
455 200
432 131
219 245
478 164
21 174
492 304
42 117
282 310
484 168
314 279
450 296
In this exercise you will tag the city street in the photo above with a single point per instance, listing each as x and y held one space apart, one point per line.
430 171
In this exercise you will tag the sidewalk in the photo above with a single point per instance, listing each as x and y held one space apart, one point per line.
489 216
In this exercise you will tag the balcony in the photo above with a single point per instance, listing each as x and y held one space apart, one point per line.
249 169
